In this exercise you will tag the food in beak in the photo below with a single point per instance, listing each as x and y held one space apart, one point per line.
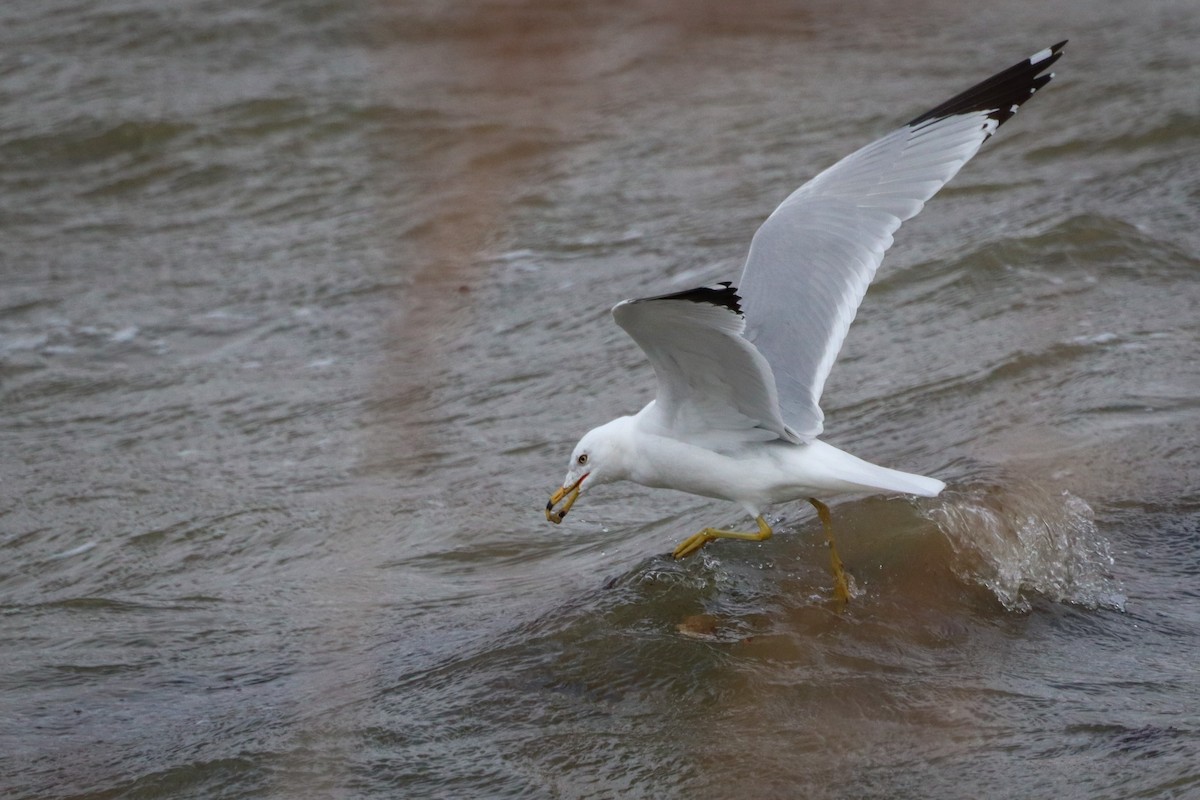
571 493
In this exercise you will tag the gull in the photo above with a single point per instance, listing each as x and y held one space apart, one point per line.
740 370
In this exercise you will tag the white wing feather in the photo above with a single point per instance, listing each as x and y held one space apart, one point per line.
811 261
714 388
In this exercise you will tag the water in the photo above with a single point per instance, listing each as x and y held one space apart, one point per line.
304 305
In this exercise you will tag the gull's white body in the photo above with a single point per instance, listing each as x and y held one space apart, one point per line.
740 371
756 475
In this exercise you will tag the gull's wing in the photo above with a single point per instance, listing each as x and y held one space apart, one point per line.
811 261
714 388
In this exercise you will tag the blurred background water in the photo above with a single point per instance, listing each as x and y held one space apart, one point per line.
303 305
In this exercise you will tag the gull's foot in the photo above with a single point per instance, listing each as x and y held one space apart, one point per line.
695 542
841 587
698 540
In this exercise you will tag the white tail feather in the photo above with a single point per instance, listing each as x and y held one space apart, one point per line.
857 475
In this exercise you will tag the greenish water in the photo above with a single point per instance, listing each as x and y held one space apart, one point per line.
303 305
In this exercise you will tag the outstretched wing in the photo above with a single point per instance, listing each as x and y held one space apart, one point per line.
714 388
811 261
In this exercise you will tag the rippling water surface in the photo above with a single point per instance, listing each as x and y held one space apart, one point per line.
304 304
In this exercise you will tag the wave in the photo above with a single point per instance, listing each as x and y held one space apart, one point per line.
1019 540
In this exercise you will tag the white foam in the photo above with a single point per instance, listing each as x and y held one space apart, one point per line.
74 551
1098 338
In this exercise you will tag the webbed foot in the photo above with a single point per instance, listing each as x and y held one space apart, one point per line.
698 540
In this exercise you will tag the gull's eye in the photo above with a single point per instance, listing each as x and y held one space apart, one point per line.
581 460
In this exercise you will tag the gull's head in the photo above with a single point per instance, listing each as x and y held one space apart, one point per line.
598 458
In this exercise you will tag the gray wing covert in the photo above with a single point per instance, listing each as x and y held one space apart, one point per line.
714 388
811 261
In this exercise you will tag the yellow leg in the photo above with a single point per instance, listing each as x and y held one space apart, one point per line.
841 589
694 543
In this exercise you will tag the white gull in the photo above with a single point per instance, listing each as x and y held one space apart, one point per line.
740 370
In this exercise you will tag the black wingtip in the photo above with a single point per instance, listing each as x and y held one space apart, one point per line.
723 294
1003 93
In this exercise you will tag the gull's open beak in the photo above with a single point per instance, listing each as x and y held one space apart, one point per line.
571 493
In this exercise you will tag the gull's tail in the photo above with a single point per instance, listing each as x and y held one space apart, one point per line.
893 480
843 472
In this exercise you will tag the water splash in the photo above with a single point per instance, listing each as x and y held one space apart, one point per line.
1017 540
